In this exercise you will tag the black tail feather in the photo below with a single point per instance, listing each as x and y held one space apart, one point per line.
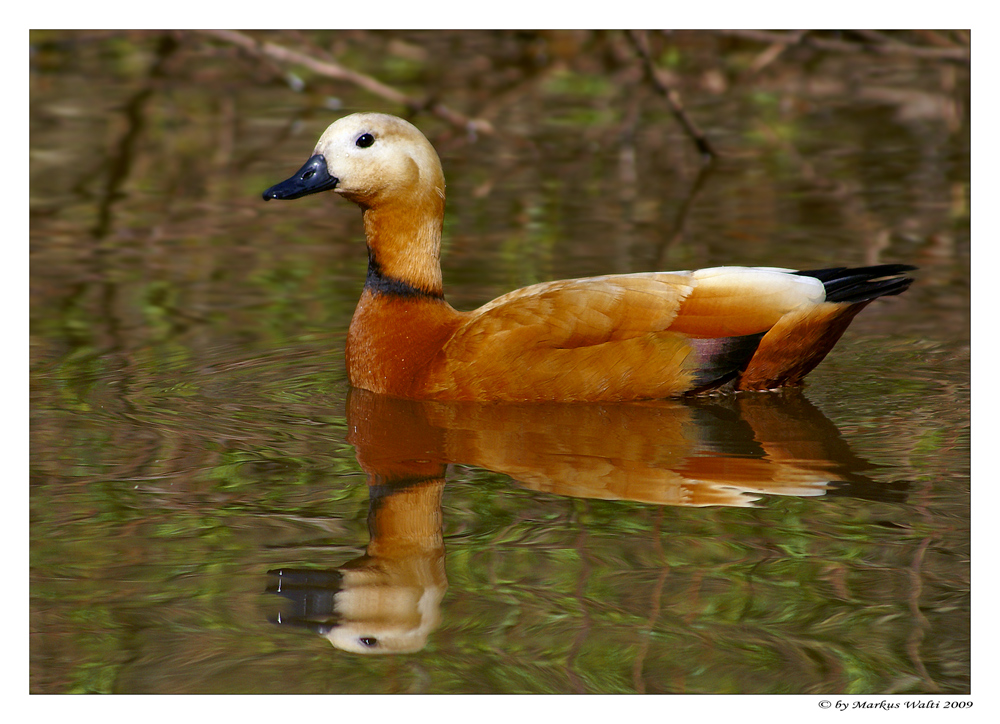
862 284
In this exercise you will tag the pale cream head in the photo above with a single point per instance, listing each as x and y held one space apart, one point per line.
377 158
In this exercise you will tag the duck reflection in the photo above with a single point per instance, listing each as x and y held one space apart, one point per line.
699 452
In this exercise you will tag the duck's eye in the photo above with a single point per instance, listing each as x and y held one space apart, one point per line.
368 641
365 140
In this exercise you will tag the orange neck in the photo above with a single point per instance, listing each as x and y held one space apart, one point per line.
401 321
404 244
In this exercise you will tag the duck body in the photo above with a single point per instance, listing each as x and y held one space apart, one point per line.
609 338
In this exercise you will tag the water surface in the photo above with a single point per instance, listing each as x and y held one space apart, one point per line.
192 430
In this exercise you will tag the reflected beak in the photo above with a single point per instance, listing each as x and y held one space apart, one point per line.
310 179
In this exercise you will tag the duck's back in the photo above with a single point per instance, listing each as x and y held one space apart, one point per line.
626 337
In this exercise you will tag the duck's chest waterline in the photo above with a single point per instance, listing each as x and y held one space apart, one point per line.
394 342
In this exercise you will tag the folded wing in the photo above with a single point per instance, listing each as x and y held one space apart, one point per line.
619 337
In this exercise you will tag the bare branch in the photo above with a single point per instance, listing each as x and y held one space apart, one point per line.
871 42
329 69
638 40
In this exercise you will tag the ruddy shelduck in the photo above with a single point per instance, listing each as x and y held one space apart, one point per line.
607 338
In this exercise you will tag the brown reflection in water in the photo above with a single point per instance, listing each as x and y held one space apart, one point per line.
709 451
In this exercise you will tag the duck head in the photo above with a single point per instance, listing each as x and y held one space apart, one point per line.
388 168
371 159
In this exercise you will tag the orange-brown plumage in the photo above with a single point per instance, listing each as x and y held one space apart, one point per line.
622 337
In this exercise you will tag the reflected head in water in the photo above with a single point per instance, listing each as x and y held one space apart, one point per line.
387 601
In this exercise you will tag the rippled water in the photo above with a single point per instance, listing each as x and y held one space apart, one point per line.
193 434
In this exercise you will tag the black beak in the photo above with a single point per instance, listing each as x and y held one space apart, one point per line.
310 179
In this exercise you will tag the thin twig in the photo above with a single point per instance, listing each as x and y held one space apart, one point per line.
329 69
774 50
638 40
872 43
